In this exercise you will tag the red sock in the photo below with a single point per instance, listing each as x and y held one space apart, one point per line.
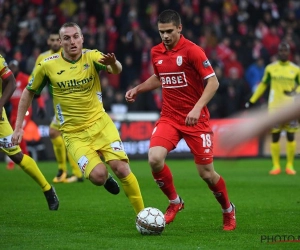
164 180
220 193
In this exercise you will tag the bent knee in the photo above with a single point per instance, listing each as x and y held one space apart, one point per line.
98 175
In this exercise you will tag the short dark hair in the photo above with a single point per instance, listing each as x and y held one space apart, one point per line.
70 24
169 16
284 44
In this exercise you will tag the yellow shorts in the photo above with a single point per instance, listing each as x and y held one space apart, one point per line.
290 127
6 132
54 123
102 138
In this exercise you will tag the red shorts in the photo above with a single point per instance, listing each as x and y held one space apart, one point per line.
199 138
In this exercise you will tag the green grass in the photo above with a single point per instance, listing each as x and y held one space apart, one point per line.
91 218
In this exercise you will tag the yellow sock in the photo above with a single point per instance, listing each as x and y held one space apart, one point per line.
75 169
60 152
275 152
133 192
30 167
290 153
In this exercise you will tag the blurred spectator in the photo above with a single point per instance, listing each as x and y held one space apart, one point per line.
129 73
223 49
236 93
251 29
233 65
254 73
68 8
271 40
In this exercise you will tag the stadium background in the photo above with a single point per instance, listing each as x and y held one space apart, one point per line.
239 37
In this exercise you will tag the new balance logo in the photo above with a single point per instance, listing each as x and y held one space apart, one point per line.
60 72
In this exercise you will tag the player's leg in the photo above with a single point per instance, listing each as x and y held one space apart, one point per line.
200 140
129 183
59 149
79 147
77 175
111 147
290 153
217 185
26 163
275 152
162 141
30 167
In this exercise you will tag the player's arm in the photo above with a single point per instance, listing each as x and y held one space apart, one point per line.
151 83
296 89
111 62
261 88
24 104
211 86
258 123
37 80
8 88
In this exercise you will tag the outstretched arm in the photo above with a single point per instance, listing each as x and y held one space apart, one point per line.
24 104
257 123
151 83
113 65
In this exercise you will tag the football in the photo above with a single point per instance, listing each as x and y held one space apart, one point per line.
150 221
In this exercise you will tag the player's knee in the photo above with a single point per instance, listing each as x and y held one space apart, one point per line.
120 168
98 175
155 162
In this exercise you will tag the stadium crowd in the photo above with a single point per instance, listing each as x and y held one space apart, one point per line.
239 37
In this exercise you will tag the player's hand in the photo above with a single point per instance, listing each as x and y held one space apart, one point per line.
131 95
41 113
249 105
108 59
290 93
192 117
17 136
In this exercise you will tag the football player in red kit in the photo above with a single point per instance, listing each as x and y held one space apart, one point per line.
188 83
21 81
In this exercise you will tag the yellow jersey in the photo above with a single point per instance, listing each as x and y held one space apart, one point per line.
45 54
74 86
280 76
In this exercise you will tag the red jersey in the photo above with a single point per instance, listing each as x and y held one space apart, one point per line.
21 81
182 72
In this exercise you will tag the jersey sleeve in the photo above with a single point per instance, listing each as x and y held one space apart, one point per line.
266 79
4 70
37 80
200 62
96 56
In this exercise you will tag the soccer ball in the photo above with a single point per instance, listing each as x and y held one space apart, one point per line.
150 221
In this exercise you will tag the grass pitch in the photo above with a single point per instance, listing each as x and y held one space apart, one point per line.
268 210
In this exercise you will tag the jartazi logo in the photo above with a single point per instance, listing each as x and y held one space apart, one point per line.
60 72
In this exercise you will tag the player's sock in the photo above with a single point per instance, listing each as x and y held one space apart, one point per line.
290 154
60 152
275 152
164 180
30 167
75 169
132 190
220 192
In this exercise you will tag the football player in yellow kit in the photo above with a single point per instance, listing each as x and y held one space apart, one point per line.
73 80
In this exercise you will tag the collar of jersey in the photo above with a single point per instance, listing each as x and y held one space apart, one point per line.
284 63
70 61
177 46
